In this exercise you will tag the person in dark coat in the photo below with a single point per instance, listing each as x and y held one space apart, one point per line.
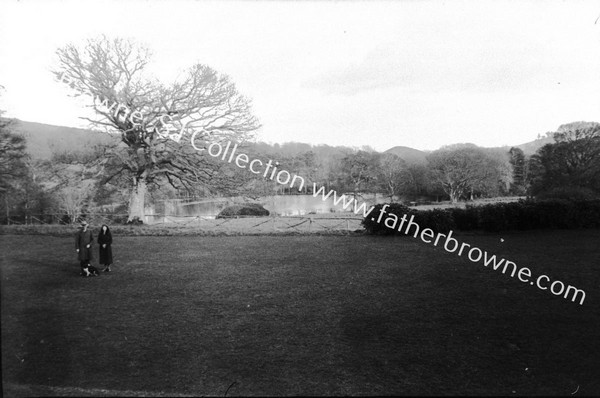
104 243
83 244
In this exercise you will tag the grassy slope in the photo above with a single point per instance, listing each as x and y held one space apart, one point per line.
300 315
43 139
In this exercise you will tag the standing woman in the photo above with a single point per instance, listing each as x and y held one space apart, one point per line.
104 243
83 244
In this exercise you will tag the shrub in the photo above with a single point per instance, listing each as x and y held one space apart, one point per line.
554 213
588 213
248 209
135 221
521 215
465 219
508 216
569 193
373 227
439 220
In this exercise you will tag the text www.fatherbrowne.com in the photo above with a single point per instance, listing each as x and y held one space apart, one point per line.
392 220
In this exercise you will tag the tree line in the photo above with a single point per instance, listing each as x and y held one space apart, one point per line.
73 183
567 168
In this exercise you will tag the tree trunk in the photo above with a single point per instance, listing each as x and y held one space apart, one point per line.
7 208
137 200
454 195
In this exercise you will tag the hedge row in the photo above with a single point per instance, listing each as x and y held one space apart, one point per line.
521 215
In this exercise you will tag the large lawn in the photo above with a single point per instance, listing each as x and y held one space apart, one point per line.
299 315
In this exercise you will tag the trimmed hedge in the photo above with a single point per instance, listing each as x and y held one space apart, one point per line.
568 193
465 219
247 209
521 215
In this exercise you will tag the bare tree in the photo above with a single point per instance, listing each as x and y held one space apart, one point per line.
461 169
360 170
73 199
150 118
394 174
73 184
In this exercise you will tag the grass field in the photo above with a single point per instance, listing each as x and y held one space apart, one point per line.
335 224
299 315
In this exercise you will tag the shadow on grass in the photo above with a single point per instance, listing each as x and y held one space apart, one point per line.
47 344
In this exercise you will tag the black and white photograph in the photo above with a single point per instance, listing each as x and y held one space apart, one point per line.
299 198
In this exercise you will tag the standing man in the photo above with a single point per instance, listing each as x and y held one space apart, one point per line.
83 244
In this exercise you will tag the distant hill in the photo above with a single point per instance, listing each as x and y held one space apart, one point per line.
409 155
529 148
43 139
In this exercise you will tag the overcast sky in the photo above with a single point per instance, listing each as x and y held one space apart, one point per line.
416 73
